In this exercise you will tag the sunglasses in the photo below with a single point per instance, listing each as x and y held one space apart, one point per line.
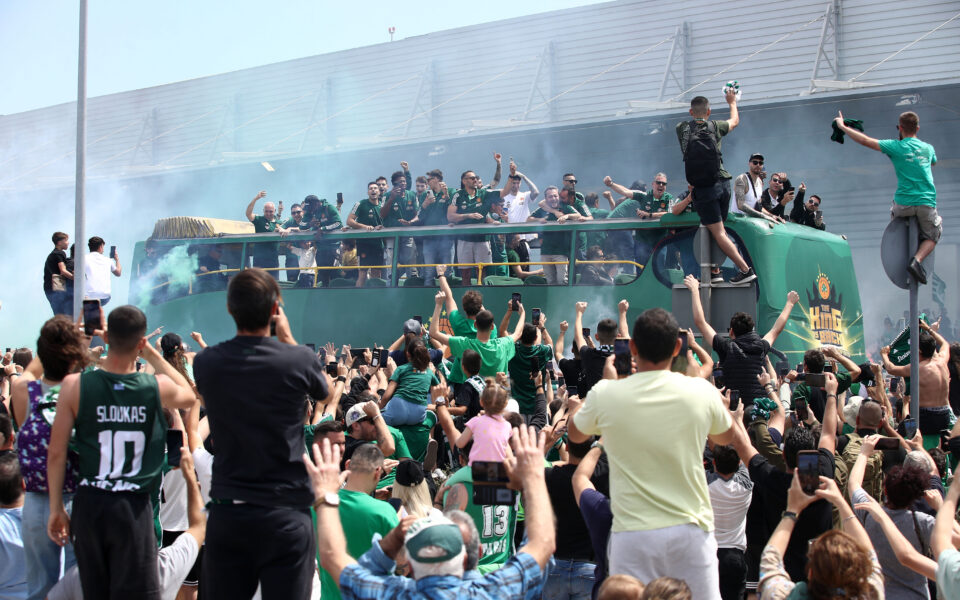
817 204
569 180
297 212
660 182
472 177
756 162
775 180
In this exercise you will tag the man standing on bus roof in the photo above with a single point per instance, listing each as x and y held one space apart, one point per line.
437 250
366 216
265 253
700 144
322 217
470 205
643 205
397 210
916 195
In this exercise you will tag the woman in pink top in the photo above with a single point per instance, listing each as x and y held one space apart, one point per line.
490 432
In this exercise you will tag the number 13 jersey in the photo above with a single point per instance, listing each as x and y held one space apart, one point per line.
120 431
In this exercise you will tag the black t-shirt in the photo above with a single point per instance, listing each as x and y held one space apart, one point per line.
52 267
592 361
468 396
573 539
253 389
741 360
771 490
570 367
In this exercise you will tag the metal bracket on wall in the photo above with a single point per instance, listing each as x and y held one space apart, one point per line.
423 101
828 49
543 85
677 60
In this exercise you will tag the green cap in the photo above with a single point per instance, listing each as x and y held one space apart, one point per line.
434 540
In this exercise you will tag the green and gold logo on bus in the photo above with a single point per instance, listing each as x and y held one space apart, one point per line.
826 312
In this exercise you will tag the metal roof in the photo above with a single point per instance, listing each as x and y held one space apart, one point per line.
580 65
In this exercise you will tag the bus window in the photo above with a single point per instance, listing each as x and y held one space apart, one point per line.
265 255
216 264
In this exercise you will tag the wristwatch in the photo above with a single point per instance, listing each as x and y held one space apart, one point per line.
329 499
789 514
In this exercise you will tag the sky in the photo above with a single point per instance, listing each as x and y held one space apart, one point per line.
132 45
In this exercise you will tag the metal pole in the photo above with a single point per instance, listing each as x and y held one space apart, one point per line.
914 329
80 233
706 272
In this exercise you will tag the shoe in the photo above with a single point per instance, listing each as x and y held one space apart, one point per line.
916 270
716 277
430 459
743 277
438 476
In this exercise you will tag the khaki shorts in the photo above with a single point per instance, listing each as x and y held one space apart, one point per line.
931 225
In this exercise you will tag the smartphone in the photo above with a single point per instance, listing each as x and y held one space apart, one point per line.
585 332
418 319
829 368
682 336
622 359
561 381
783 368
515 302
536 316
801 409
339 197
734 399
174 443
357 355
91 316
887 443
894 383
313 347
718 378
332 370
818 214
273 328
908 428
534 366
490 484
113 251
945 440
799 368
808 470
384 355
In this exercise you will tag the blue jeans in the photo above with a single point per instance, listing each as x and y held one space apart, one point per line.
41 554
569 579
436 251
403 412
61 303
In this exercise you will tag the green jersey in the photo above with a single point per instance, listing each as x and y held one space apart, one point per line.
912 160
478 203
262 225
435 213
401 451
464 327
368 213
557 243
521 368
120 431
412 385
495 523
361 516
404 206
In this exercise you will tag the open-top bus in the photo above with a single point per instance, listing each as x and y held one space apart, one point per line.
173 292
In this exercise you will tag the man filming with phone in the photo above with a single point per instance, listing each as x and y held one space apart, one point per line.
98 269
654 424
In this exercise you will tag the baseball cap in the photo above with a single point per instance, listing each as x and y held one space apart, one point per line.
433 540
355 413
412 326
512 406
311 198
170 343
851 410
409 473
756 155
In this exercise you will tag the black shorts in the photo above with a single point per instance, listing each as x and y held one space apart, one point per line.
370 254
193 576
712 203
115 544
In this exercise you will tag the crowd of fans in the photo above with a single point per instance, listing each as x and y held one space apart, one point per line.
493 462
490 462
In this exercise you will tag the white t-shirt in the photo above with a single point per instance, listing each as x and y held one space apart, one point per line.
173 508
203 464
730 500
518 210
307 256
99 269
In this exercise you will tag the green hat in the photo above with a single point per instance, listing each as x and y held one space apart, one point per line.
434 540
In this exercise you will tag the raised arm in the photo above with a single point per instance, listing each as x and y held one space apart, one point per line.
610 201
559 344
496 175
324 472
534 192
731 97
435 332
581 477
706 360
857 136
505 321
848 364
196 520
940 537
451 303
855 479
518 330
889 367
253 203
578 325
781 322
698 318
620 189
528 461
828 433
384 439
623 327
117 268
175 390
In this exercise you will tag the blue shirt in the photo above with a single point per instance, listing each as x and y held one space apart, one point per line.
520 577
13 562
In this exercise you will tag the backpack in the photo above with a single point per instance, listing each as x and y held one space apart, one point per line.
702 156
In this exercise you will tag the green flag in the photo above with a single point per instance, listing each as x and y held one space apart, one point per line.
900 346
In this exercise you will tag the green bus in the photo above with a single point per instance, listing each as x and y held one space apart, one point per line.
177 291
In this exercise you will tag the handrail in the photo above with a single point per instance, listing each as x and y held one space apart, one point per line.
480 266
